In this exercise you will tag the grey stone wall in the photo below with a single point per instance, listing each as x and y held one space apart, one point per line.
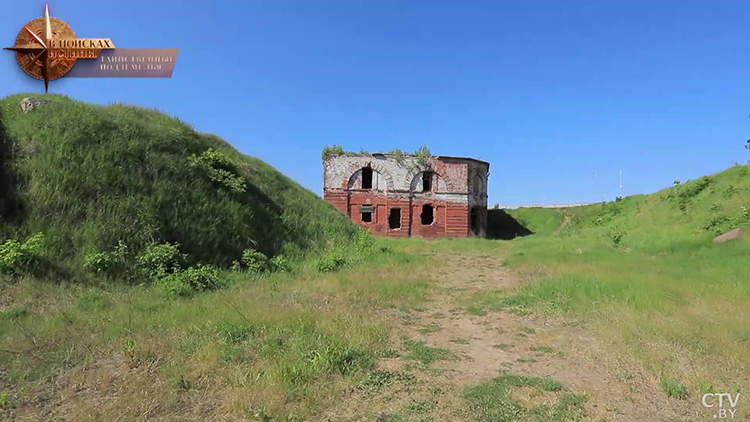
344 171
478 179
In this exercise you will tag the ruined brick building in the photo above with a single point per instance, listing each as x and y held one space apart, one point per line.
408 196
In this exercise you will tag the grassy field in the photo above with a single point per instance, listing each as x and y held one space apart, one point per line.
176 279
115 218
273 347
644 272
303 345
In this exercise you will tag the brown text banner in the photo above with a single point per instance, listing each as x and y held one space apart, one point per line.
127 63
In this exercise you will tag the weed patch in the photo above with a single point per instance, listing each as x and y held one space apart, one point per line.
673 389
541 349
432 328
14 313
425 354
378 379
493 401
93 301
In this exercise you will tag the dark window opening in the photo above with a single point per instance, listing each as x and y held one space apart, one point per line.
427 181
367 217
474 221
427 215
366 178
394 219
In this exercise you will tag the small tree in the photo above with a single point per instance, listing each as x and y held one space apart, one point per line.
422 154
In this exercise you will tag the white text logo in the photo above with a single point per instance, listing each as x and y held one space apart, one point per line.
717 401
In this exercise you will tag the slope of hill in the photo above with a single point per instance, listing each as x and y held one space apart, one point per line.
682 216
90 177
643 272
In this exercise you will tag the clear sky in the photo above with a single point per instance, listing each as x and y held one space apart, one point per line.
558 96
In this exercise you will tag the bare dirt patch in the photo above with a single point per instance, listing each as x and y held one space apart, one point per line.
487 346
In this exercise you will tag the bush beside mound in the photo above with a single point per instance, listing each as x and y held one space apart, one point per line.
130 193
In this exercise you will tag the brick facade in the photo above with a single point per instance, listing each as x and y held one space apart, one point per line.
389 192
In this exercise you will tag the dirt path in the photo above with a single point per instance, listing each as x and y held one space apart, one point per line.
563 225
505 342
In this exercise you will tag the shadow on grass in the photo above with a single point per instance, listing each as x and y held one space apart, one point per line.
501 225
11 209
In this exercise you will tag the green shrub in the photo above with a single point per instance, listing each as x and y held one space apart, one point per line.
608 211
12 257
333 260
422 154
220 169
255 262
281 264
719 224
119 263
156 260
682 194
730 191
17 258
616 234
99 263
192 280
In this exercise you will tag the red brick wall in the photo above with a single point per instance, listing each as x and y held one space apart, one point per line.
458 220
394 186
338 200
449 219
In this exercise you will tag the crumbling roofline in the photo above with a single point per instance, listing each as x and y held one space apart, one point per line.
382 193
405 155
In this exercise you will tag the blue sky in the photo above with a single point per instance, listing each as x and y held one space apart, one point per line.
551 93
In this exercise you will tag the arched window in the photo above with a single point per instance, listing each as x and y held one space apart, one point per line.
427 181
477 184
366 178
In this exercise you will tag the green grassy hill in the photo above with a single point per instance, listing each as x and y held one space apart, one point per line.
645 274
697 209
540 221
683 216
90 178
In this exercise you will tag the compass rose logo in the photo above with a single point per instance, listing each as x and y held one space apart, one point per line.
47 48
